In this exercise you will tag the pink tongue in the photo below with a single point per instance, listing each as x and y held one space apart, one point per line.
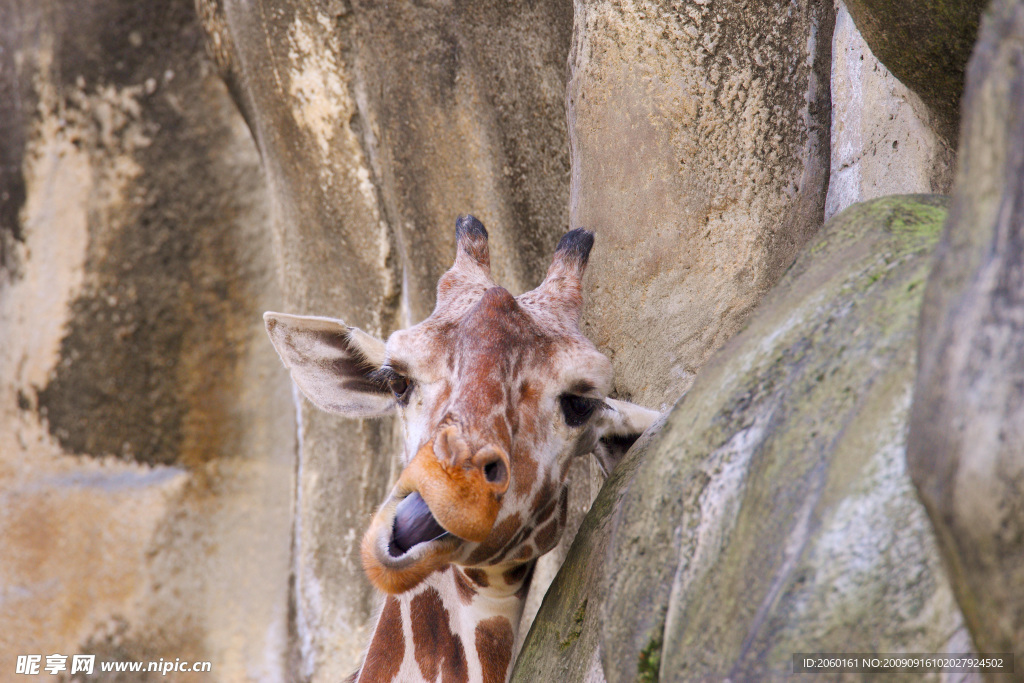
413 524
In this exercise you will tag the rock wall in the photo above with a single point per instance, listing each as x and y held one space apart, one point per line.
926 44
148 438
966 455
699 139
885 140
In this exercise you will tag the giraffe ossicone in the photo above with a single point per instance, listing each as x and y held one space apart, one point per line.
496 395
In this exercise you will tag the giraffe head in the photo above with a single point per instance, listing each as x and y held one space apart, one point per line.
496 395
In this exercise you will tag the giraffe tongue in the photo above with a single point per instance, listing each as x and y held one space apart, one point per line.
413 524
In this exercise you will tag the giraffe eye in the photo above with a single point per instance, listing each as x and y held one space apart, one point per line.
399 386
577 409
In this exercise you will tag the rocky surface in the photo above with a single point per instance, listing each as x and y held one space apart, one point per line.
884 139
699 138
773 513
148 440
967 429
925 44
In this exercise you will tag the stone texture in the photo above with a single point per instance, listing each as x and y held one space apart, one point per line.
378 124
699 138
883 140
153 434
773 513
147 459
925 44
967 429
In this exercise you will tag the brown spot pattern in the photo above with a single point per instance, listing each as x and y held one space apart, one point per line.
511 408
494 639
525 588
487 394
441 404
477 576
516 541
525 553
500 535
464 587
524 466
516 574
381 664
546 513
437 649
500 431
544 500
524 471
547 536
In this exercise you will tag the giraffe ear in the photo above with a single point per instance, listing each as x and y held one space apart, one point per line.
332 363
618 427
562 289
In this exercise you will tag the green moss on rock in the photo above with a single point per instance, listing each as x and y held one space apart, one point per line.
650 659
577 628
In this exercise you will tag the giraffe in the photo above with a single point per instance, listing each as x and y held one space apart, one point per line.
496 396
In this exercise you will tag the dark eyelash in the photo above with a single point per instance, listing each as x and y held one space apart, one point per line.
384 375
387 378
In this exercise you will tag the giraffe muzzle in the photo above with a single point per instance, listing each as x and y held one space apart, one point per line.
445 497
461 489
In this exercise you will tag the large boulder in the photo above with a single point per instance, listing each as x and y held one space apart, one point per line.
699 140
773 513
147 450
925 44
966 447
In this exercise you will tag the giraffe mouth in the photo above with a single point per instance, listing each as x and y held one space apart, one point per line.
433 512
405 544
414 524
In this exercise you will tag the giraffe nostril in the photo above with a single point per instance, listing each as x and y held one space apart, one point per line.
495 472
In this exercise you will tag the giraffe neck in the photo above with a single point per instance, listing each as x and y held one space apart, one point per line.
459 624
